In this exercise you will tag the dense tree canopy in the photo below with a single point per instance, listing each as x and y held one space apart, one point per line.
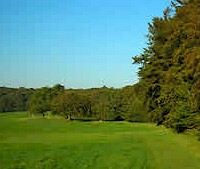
170 66
14 99
91 104
40 102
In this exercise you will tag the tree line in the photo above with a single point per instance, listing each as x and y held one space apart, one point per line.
170 67
77 104
14 99
90 104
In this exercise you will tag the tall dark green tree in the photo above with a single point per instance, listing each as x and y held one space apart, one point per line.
170 66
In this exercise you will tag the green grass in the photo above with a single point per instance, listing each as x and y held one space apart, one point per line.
36 143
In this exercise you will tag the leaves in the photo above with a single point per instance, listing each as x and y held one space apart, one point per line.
171 67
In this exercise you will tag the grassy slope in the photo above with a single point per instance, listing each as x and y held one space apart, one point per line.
55 143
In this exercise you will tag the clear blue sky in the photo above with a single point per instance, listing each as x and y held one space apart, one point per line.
77 43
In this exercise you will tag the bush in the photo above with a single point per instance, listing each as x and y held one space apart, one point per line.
181 119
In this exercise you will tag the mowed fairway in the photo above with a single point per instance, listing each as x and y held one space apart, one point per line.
35 143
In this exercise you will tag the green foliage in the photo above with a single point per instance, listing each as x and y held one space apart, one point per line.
131 104
170 66
14 99
40 101
89 104
71 104
101 104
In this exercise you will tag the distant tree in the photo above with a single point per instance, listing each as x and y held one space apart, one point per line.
40 102
57 89
72 104
12 99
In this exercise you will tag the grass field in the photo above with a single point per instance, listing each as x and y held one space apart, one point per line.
36 143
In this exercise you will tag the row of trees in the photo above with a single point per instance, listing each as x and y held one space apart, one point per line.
14 99
170 67
91 104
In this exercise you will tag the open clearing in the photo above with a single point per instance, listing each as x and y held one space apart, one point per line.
55 143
